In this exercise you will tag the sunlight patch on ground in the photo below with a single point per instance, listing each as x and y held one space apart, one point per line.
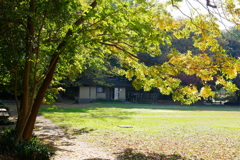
152 110
156 111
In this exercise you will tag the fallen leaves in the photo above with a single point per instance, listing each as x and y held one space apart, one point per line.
183 143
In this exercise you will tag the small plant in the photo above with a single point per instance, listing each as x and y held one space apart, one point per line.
34 150
1 103
3 106
6 122
7 138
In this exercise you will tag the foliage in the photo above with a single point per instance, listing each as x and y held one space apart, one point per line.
164 76
43 42
231 41
2 105
96 74
7 141
6 122
34 149
106 31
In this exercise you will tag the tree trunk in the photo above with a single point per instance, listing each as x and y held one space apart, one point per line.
28 128
39 98
24 109
25 106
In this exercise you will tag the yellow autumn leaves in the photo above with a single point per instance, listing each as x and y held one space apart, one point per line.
204 57
164 76
202 65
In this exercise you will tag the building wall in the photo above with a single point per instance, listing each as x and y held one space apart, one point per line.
122 93
93 93
84 92
87 93
101 95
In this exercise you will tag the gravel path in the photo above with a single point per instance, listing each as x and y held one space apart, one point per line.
68 146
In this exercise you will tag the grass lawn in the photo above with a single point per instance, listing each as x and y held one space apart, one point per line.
187 132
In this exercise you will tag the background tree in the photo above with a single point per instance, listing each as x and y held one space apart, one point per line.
47 38
44 42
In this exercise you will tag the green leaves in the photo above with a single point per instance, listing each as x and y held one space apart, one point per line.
124 29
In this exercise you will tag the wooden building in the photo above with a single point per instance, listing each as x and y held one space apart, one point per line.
111 89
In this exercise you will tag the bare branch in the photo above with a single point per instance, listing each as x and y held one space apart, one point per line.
210 5
192 20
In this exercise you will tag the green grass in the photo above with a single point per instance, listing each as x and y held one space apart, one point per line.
209 132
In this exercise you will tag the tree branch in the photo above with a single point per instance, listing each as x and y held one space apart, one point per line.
210 5
60 49
132 55
81 19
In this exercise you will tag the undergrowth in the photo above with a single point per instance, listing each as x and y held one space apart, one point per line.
34 150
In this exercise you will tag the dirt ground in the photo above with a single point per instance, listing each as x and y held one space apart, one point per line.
67 146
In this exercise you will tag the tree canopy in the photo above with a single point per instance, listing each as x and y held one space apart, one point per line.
43 42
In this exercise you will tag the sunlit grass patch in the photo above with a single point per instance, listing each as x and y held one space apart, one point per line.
191 131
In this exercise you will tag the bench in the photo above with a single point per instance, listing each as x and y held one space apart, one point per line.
4 113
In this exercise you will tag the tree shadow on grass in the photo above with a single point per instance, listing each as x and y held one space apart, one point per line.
167 106
130 154
81 131
96 159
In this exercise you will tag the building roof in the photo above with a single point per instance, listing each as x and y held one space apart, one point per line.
108 82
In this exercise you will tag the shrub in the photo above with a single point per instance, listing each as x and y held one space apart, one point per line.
34 150
6 122
3 106
233 103
6 107
7 138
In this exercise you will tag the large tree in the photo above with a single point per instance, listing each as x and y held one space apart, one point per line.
43 42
